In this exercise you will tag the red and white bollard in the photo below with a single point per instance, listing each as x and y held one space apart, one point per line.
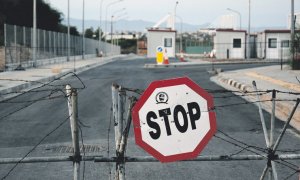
181 57
166 58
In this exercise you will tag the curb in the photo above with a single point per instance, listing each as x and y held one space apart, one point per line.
29 84
187 64
283 109
233 83
239 62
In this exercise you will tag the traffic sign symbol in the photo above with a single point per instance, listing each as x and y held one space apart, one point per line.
159 49
173 120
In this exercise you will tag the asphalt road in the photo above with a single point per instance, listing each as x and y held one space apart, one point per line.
25 121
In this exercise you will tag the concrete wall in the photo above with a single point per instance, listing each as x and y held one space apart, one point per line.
156 38
223 44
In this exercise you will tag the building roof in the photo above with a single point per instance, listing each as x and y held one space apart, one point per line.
277 31
230 30
161 30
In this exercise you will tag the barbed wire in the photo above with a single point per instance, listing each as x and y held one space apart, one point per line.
290 176
46 97
243 95
264 150
43 98
34 147
246 147
49 84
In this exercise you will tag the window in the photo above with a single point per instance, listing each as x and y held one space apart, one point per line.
285 43
237 43
168 42
272 43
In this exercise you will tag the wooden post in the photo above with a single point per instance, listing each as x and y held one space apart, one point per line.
73 113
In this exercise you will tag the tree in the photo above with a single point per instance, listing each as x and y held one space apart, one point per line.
89 33
97 34
73 30
20 12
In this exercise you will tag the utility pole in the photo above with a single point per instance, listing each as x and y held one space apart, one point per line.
34 35
292 33
68 58
249 29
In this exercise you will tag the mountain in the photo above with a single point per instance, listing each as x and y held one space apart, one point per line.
128 25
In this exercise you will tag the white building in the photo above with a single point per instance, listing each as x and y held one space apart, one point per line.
165 37
273 44
230 44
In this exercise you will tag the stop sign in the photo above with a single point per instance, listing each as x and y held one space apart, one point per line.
174 119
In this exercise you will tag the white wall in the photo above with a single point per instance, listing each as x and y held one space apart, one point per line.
156 38
223 41
278 52
260 45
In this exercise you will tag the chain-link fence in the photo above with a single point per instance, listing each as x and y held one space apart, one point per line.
51 47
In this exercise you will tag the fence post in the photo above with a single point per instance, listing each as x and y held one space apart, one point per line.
49 43
44 43
5 46
73 113
24 36
15 41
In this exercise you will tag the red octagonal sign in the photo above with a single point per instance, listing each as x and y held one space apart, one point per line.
174 119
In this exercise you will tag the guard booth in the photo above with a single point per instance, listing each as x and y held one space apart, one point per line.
161 37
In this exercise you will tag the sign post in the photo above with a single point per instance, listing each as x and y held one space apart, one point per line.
174 119
159 55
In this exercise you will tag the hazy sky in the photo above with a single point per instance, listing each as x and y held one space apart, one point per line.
263 12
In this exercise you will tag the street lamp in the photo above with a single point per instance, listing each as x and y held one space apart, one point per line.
239 14
110 4
34 34
118 18
114 15
180 45
100 23
249 20
83 40
175 14
68 56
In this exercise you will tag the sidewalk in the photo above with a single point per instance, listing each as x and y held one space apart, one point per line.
15 81
267 78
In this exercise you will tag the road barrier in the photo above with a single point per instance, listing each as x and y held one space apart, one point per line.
123 100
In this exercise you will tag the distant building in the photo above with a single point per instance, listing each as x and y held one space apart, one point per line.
273 44
123 35
229 44
165 37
